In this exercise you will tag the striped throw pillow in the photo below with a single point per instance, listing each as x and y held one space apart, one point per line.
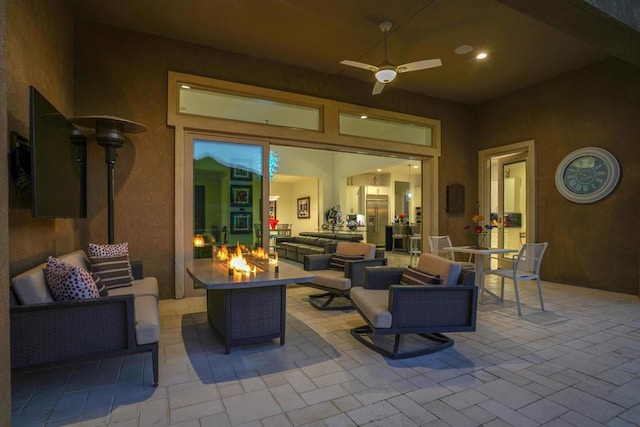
112 271
109 250
413 276
338 261
102 289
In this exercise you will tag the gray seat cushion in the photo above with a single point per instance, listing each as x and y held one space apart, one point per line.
141 287
147 319
332 279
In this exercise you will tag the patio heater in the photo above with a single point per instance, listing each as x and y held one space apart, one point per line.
109 131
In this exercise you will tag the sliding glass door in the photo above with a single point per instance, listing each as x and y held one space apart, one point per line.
227 197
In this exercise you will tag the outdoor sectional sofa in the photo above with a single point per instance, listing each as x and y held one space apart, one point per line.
44 331
308 243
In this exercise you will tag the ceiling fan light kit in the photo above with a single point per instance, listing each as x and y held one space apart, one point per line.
387 72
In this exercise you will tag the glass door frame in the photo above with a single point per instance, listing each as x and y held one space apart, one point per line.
505 161
186 242
527 150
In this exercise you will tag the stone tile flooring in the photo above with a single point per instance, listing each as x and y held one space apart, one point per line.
578 364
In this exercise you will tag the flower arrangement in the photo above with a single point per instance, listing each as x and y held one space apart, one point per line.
477 229
401 217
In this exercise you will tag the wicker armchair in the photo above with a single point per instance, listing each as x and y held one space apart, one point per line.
419 313
339 282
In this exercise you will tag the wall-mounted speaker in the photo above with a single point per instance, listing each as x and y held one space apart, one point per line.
455 198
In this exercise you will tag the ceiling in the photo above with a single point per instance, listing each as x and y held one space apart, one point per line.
319 34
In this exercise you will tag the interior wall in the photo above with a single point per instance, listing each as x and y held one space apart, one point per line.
593 245
131 82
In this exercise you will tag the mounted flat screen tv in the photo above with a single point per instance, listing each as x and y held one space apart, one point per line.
58 162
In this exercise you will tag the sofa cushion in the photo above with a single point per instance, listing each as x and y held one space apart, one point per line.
77 258
111 250
413 276
30 286
338 261
68 282
147 319
141 287
374 305
113 271
313 241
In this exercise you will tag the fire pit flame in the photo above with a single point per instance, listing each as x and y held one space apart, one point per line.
239 263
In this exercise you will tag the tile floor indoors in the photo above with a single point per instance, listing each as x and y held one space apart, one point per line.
578 364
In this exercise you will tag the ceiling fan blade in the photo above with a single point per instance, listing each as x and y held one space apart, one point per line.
377 88
359 65
419 65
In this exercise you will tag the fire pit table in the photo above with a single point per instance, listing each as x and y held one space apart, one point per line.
246 307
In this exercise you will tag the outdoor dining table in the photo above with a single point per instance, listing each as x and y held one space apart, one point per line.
480 256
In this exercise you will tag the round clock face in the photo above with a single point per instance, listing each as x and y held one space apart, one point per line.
587 175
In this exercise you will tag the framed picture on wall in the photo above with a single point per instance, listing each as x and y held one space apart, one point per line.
304 204
241 222
241 196
272 209
238 174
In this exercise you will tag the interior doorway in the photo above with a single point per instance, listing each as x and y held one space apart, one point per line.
507 194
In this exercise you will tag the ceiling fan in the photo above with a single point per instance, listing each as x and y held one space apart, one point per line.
386 71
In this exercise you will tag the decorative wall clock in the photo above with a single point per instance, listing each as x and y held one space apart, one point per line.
587 175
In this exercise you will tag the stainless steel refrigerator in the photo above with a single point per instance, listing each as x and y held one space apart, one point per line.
377 216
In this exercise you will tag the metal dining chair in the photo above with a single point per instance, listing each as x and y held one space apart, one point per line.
526 266
436 245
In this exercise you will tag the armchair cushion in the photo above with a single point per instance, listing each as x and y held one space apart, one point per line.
448 271
373 304
333 279
367 250
413 276
338 261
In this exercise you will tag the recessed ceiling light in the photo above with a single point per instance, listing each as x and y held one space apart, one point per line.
364 116
378 170
185 86
481 55
463 49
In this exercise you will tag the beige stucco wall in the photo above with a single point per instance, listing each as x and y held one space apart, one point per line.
39 53
5 373
593 245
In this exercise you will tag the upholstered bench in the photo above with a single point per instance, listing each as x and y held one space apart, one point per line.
45 331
